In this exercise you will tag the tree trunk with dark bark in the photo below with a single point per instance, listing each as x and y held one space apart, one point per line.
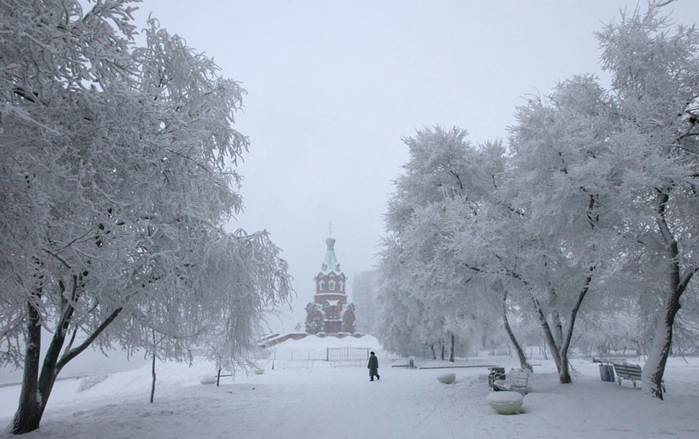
548 334
28 415
523 363
654 369
37 388
153 379
559 341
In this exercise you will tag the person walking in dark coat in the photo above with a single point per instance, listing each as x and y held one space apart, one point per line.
373 367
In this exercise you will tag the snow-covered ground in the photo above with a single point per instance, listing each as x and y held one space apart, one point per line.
307 398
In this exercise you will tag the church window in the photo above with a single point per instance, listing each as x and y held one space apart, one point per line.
331 285
321 285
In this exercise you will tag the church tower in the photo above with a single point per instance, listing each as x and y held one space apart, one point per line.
329 312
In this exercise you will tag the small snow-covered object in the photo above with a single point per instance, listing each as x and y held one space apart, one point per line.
446 378
505 403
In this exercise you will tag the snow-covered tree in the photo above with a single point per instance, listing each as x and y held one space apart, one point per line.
562 161
400 311
655 82
114 186
239 293
446 184
478 245
433 174
597 197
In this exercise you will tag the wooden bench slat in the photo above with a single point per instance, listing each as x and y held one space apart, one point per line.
627 371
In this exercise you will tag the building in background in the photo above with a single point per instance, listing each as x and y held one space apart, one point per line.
365 287
329 313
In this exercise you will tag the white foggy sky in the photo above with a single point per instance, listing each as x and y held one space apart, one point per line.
334 85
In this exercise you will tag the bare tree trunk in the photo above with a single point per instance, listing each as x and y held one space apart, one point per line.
523 363
654 369
548 335
39 385
36 389
434 352
153 376
564 375
28 415
218 377
442 349
560 350
556 323
561 365
451 348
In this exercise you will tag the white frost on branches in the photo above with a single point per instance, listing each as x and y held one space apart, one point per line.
115 184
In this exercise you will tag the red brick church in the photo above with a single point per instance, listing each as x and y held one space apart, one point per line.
330 313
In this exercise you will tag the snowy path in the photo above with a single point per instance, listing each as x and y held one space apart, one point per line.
349 406
318 402
326 402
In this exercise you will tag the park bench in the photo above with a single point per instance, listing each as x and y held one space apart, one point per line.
517 380
631 372
627 371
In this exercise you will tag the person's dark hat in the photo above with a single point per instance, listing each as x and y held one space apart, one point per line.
372 352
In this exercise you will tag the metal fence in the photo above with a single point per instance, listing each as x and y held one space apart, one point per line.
335 355
346 354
